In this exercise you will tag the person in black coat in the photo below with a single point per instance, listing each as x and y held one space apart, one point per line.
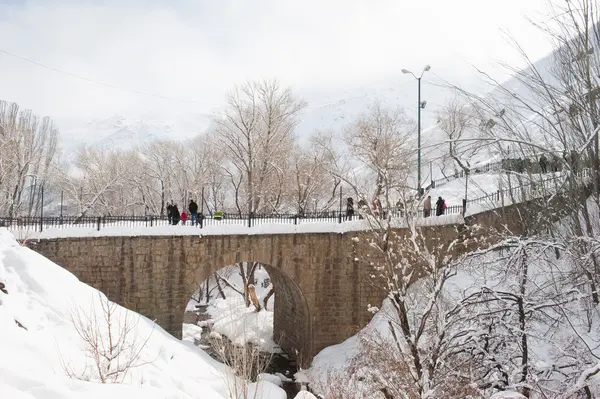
439 207
193 208
543 164
170 213
349 209
175 214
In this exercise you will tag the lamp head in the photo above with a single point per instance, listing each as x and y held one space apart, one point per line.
427 68
405 71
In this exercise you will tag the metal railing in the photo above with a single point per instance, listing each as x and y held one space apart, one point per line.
249 220
517 193
489 167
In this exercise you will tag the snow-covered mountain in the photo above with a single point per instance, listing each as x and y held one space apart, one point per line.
327 110
120 131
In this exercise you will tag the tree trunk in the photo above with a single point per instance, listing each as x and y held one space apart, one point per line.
525 391
254 298
207 291
218 287
267 297
245 294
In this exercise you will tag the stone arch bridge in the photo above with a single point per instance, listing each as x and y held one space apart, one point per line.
322 289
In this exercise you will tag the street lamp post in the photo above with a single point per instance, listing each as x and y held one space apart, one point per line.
420 105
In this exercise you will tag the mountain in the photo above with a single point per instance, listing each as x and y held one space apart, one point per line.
119 131
326 110
331 109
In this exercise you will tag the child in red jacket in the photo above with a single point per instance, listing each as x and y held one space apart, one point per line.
183 217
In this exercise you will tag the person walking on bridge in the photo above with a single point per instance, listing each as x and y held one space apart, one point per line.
427 207
183 217
349 209
193 208
175 214
170 212
543 164
439 207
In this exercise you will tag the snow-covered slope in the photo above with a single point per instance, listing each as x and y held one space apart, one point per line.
325 110
38 341
123 132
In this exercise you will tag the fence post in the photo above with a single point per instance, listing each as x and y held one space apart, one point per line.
340 215
99 221
151 220
200 219
464 206
250 219
296 219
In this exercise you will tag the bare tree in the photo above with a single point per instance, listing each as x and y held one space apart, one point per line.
312 183
247 291
256 133
28 149
377 141
109 340
457 120
98 183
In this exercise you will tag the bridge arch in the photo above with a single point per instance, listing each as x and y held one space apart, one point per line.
292 323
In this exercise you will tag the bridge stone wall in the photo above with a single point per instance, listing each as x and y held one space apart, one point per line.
322 284
321 293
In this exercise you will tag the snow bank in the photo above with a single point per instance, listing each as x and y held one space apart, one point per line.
37 340
508 395
242 325
305 395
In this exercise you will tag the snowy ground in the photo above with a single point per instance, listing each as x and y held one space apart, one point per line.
481 185
38 341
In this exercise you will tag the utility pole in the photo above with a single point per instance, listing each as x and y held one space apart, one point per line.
420 105
419 137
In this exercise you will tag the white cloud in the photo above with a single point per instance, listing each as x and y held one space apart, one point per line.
196 50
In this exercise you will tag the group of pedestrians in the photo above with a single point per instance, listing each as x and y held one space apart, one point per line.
440 207
175 217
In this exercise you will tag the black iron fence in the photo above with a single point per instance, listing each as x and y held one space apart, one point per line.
489 167
515 193
249 220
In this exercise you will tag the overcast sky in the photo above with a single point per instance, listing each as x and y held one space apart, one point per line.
195 50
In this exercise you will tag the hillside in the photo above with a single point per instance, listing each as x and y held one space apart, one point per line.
45 311
325 110
118 131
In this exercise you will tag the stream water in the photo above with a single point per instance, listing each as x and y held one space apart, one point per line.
281 364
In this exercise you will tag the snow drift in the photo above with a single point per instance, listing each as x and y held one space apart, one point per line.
39 341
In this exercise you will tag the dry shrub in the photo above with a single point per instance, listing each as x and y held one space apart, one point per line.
109 340
378 371
246 362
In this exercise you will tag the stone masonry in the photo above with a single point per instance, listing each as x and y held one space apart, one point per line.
322 288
